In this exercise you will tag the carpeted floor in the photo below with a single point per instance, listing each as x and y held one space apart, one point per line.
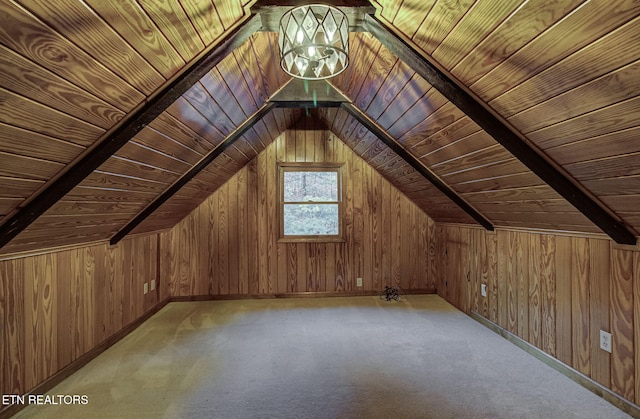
357 357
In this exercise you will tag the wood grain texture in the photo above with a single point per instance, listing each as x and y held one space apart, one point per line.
308 267
577 286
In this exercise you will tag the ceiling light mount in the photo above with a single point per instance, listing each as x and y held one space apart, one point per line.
314 42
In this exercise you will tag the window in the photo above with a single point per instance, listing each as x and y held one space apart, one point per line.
310 201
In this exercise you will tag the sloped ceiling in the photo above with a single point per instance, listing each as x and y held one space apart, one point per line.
563 74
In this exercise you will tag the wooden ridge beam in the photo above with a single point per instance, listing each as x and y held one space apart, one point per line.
413 162
501 132
133 124
201 165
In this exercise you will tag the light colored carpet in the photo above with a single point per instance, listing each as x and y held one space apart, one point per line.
357 357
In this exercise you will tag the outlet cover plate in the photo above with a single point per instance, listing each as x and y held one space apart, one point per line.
483 290
146 287
153 285
605 341
358 282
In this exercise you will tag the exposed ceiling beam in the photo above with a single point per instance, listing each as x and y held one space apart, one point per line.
501 132
132 124
271 11
379 132
299 93
201 165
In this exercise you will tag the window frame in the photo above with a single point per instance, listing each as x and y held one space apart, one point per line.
284 167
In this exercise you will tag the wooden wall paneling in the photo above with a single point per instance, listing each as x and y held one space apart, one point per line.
396 238
66 290
241 232
40 315
622 326
580 305
233 242
512 282
548 291
563 300
252 226
357 176
282 280
222 248
12 327
636 322
465 270
263 173
599 308
492 275
534 267
503 300
273 225
522 274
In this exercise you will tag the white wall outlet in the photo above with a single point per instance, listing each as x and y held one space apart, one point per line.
605 341
146 287
358 282
483 290
153 285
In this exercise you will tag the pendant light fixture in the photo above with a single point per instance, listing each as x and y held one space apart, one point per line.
314 42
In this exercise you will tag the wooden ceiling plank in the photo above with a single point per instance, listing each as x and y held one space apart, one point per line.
439 22
98 38
47 88
173 22
32 38
176 186
481 19
608 145
116 181
517 180
581 27
161 143
31 144
410 15
459 130
443 117
608 53
503 134
167 125
431 102
398 78
19 111
529 20
136 27
205 19
619 116
398 149
604 91
136 122
14 165
414 91
203 102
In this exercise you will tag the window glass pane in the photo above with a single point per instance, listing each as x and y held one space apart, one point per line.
310 186
311 219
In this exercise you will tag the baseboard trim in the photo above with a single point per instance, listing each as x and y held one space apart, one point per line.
65 372
324 294
586 382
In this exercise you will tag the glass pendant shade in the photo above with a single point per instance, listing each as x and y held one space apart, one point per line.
314 42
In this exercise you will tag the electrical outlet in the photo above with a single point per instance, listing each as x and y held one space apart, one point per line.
605 341
358 282
146 287
153 285
483 290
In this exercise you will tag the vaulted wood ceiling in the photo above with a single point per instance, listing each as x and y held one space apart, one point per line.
564 75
